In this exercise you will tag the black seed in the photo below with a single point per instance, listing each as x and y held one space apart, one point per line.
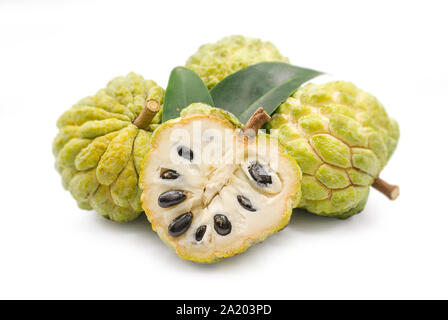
222 224
245 203
169 175
259 174
185 152
200 232
171 198
180 225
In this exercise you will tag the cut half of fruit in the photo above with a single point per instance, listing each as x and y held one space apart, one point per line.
212 188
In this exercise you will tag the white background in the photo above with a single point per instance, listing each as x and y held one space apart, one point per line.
53 53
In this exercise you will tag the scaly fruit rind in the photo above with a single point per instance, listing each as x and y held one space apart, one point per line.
215 61
342 138
98 149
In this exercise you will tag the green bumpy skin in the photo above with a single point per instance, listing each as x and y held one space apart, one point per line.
342 138
204 109
215 61
99 150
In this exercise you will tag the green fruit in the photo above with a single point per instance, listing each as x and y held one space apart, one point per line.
342 138
215 61
101 143
211 190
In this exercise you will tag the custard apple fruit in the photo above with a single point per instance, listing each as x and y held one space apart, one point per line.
215 61
211 189
342 138
101 143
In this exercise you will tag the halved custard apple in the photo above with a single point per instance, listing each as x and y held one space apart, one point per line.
212 188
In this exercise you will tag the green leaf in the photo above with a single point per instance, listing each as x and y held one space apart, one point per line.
265 84
184 88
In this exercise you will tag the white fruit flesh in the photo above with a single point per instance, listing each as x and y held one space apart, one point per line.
212 181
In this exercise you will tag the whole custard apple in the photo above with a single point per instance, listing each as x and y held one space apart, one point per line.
342 138
211 189
101 143
215 61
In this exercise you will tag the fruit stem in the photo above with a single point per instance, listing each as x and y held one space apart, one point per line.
143 121
389 190
256 121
